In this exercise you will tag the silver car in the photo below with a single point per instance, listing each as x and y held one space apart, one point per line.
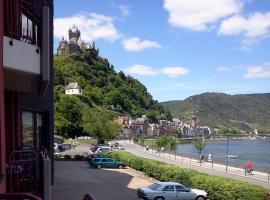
170 191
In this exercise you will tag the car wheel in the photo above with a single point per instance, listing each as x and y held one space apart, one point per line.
159 198
120 167
98 166
200 198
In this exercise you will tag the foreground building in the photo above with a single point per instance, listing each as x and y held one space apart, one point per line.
26 100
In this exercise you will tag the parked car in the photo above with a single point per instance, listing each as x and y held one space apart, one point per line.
115 145
170 191
121 147
106 162
92 156
103 149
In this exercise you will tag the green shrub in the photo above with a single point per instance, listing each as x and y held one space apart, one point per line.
218 188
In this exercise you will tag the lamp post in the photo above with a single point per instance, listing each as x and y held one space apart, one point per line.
227 160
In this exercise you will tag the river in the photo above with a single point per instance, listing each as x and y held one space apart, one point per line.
257 151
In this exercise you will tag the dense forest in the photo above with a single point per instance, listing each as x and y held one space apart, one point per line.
217 110
106 94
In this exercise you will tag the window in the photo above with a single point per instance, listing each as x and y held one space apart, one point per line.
96 160
154 186
33 129
168 188
110 160
104 160
180 188
28 128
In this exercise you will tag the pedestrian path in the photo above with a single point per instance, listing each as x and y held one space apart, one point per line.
257 178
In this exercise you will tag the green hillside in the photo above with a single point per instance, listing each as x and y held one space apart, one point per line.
104 91
219 110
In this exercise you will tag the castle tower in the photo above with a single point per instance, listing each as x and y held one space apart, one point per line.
194 119
74 35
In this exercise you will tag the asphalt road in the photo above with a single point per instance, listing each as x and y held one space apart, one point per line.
73 179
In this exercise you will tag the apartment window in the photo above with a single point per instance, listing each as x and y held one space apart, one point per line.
33 128
22 20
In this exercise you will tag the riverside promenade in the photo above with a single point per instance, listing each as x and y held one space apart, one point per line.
257 178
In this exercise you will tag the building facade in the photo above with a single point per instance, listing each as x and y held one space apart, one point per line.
73 88
26 93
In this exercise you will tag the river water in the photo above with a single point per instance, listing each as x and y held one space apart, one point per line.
257 151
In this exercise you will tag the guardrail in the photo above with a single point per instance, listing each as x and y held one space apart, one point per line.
234 166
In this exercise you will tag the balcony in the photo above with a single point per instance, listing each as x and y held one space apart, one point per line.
26 45
21 56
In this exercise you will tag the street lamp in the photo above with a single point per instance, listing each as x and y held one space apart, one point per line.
227 160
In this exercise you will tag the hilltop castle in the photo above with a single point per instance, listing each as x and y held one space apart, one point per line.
75 43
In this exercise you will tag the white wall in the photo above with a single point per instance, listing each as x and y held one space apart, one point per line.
21 56
73 91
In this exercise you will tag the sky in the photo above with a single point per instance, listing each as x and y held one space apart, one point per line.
177 48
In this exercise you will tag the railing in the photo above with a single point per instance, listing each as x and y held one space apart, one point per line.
234 167
18 196
23 172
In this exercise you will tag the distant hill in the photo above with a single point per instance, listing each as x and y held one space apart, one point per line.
218 110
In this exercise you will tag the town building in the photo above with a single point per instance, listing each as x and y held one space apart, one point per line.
141 126
73 88
75 44
26 96
123 121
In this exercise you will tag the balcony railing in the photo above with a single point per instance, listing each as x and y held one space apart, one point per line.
18 196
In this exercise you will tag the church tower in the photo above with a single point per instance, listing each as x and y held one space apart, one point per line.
194 119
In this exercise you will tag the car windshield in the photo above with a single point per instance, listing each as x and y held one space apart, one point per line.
154 186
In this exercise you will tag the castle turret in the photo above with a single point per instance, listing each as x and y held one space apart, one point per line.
74 34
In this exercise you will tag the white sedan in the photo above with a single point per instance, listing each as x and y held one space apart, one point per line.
170 191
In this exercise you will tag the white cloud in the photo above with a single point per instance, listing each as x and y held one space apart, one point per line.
141 70
229 69
200 15
223 69
125 10
92 26
174 72
258 72
254 26
136 44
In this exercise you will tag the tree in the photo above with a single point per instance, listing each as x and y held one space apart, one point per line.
68 111
199 144
101 123
167 142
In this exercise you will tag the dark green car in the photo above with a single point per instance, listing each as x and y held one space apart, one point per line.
107 163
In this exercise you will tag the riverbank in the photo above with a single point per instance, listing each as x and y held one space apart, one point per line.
258 178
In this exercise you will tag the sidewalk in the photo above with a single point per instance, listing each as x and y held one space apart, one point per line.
258 178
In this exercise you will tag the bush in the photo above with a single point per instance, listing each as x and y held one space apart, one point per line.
218 188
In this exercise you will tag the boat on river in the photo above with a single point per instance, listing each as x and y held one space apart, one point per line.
232 156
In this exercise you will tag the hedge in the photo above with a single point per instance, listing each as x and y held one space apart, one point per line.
218 188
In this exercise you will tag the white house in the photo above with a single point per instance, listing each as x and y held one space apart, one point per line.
73 88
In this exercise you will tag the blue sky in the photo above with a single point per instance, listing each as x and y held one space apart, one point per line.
178 48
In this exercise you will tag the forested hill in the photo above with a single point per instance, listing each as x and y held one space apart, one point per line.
220 110
103 88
